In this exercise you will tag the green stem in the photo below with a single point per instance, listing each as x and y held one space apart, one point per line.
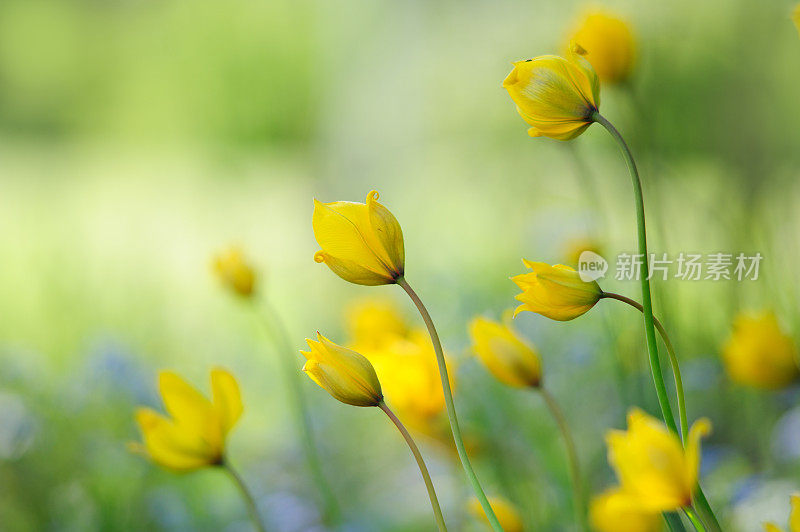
698 524
647 304
673 359
572 456
451 409
246 495
673 521
437 511
289 364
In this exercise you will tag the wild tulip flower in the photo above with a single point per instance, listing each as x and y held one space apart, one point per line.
361 242
350 378
558 97
506 513
512 360
193 436
794 518
614 511
556 292
373 322
759 354
235 273
652 466
609 44
346 375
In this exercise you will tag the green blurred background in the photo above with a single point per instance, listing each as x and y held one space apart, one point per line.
139 137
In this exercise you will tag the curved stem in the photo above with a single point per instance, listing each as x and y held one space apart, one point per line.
289 364
673 359
451 409
572 456
437 511
246 495
647 304
698 524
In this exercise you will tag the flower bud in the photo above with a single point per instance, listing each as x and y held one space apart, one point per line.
556 292
235 273
346 375
510 359
361 242
557 97
609 45
759 354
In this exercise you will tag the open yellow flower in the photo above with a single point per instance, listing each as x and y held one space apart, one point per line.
556 292
794 518
233 270
346 375
194 434
556 96
506 513
759 354
510 358
614 511
361 242
609 45
653 468
373 322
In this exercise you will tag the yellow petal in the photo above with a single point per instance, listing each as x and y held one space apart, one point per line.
171 447
510 359
189 408
226 398
556 292
608 43
794 516
614 511
796 19
506 513
700 429
772 527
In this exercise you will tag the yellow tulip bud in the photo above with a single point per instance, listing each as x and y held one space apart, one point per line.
557 97
510 359
361 242
794 518
574 247
194 434
653 468
506 513
614 511
373 322
609 45
759 354
234 271
556 292
346 375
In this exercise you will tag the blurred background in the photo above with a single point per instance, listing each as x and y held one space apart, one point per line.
138 138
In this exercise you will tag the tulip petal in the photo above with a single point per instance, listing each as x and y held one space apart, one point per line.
352 271
226 398
388 231
189 408
170 446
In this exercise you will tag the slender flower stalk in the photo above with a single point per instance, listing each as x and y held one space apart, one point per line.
275 329
437 511
647 304
451 409
246 495
692 515
572 456
673 359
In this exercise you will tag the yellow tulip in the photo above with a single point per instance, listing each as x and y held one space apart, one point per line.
373 322
346 375
609 45
614 511
556 292
556 96
759 354
794 518
235 273
506 513
510 358
796 17
361 242
653 468
194 434
409 377
574 247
